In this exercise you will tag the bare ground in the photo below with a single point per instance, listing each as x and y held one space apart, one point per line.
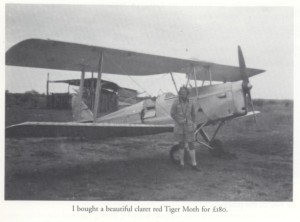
259 166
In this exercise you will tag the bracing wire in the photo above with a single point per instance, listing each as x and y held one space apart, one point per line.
139 84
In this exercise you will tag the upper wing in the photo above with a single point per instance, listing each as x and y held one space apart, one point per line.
222 73
71 56
85 130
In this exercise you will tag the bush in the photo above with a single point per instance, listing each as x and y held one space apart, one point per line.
29 99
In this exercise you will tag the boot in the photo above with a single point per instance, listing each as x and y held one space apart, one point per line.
193 159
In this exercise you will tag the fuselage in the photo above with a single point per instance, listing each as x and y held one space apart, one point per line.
213 102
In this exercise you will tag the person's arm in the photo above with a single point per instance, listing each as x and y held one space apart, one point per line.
193 114
174 111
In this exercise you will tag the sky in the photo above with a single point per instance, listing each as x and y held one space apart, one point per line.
207 33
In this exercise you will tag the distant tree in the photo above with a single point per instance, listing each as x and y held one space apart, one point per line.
32 92
30 99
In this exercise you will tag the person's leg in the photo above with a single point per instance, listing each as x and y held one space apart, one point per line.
192 153
181 153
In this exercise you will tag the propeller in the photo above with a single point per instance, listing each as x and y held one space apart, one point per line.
246 85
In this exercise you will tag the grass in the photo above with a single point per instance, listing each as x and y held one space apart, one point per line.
138 168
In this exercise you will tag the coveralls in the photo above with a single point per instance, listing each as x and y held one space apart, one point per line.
183 113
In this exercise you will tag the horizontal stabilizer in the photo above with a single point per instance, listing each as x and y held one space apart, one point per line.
83 130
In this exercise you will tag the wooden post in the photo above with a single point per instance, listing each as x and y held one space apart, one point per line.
98 87
47 91
92 92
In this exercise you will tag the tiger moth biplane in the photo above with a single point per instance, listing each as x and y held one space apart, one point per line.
214 103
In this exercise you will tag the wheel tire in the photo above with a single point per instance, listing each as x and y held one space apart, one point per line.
174 154
217 148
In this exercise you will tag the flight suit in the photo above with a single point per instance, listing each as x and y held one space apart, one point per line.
184 115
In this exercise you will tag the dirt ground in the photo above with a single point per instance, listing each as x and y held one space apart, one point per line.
258 167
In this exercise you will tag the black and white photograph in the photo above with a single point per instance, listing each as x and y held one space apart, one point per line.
149 103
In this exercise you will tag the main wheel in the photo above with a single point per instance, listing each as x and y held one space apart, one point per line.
174 154
217 148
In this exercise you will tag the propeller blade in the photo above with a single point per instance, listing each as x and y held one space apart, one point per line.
246 84
242 65
252 106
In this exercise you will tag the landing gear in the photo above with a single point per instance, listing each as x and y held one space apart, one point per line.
214 145
175 155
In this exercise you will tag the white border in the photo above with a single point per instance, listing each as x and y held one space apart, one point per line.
238 211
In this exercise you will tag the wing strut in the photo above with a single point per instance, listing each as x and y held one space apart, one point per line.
98 87
195 81
77 114
81 86
210 75
174 82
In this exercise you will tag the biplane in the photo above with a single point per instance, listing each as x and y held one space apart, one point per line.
214 103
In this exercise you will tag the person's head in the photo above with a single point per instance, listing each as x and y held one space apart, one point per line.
183 92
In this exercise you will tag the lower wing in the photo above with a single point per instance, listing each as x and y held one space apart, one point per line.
84 130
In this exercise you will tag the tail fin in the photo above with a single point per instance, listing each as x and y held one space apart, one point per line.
81 112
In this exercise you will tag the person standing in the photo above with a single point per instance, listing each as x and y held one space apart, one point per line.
183 114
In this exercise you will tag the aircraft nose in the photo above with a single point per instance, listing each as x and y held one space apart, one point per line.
247 86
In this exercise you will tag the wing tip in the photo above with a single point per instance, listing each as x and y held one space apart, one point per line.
261 71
